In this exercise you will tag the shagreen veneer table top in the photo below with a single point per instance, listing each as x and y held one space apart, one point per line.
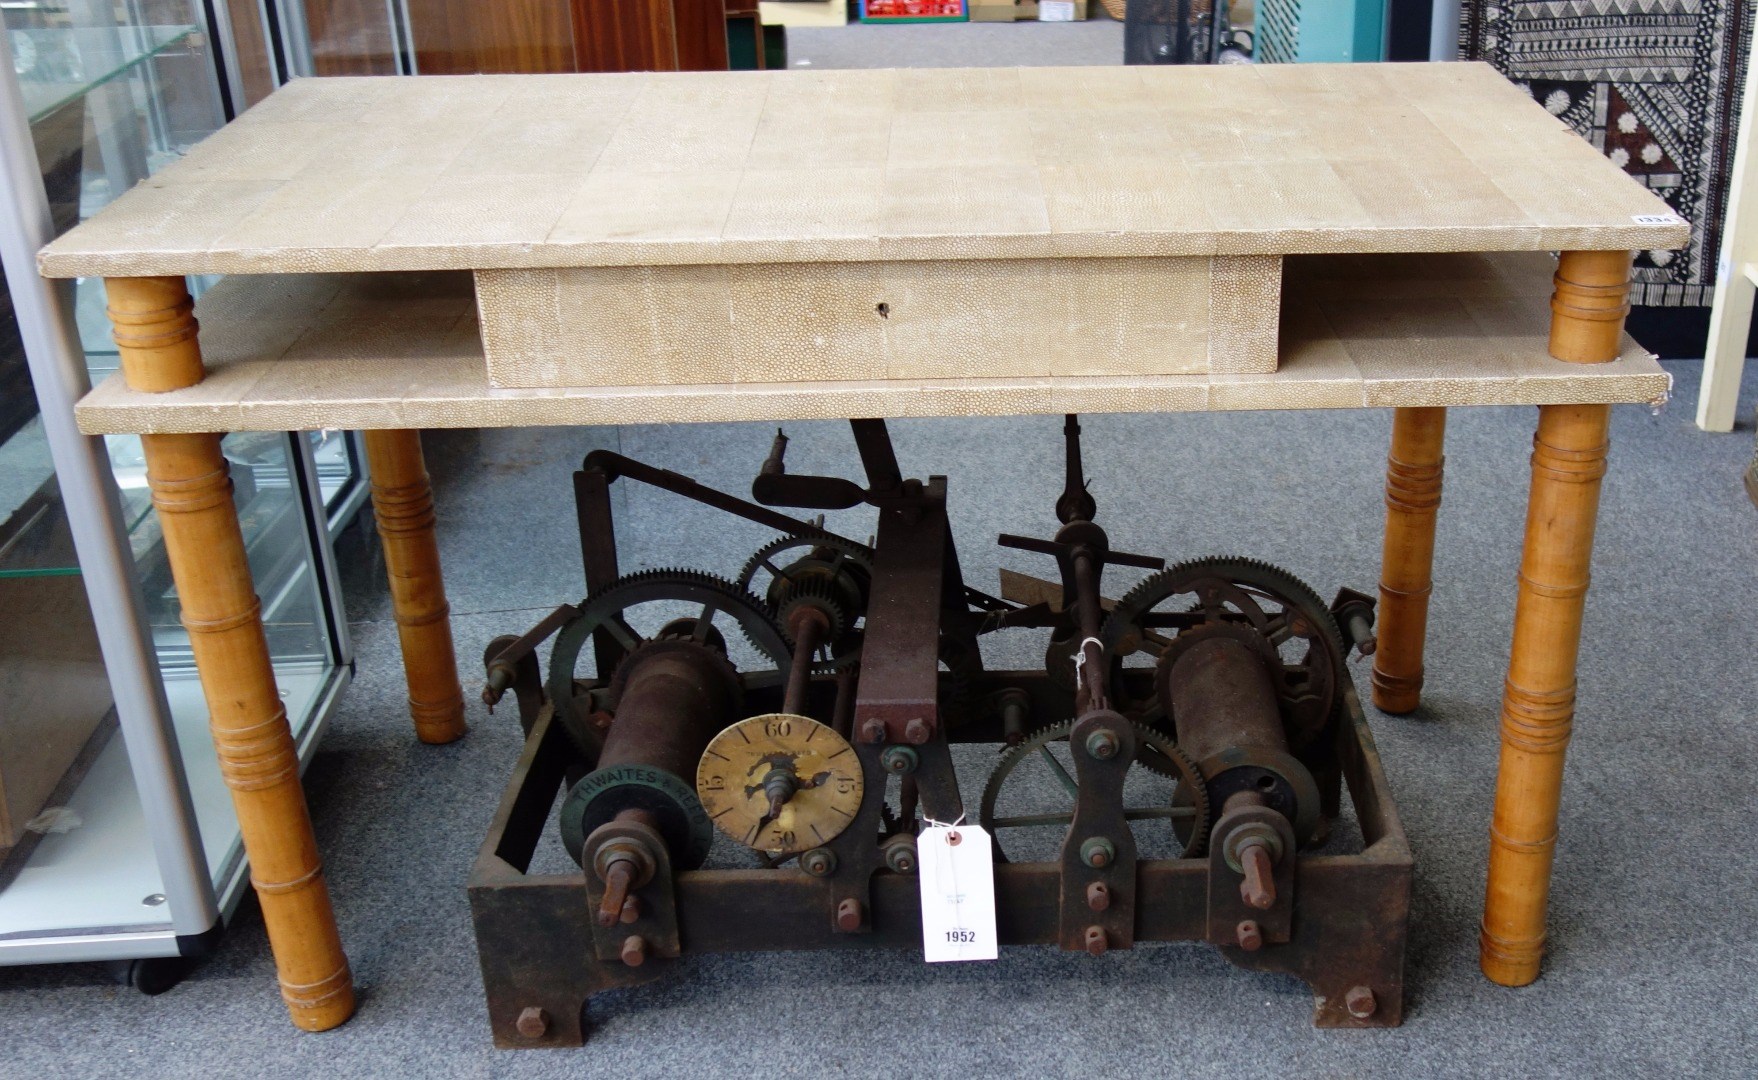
601 249
873 227
519 172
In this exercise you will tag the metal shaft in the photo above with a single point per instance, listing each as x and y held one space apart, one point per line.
808 627
842 716
1089 610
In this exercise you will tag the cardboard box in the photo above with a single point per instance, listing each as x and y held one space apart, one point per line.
1060 10
1040 10
54 692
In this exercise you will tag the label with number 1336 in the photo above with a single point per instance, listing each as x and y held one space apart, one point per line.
957 874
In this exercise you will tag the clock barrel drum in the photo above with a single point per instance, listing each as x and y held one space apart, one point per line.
671 696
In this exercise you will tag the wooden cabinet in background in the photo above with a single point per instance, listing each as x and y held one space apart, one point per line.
650 35
469 37
458 37
464 37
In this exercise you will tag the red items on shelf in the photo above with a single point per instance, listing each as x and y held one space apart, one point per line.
913 11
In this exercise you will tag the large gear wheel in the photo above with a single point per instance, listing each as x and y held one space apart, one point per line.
829 571
1270 600
764 557
605 609
1188 810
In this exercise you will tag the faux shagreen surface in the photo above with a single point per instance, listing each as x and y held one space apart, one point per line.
403 351
494 171
797 322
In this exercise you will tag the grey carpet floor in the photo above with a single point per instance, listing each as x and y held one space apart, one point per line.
1654 923
1653 917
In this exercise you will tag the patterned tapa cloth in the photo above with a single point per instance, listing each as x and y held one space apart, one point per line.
1655 84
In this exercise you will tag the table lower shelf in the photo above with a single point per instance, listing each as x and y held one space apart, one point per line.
393 350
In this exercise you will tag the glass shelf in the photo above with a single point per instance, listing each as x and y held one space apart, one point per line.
59 65
34 538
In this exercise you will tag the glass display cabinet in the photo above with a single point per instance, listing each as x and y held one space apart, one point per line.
117 836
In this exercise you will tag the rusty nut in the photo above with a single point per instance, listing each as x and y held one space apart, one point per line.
1360 1002
899 760
848 915
533 1022
1250 935
900 854
1102 744
1098 896
1098 852
1096 940
634 950
917 731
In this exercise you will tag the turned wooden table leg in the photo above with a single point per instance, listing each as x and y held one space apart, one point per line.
402 500
1591 298
1413 495
156 336
1538 702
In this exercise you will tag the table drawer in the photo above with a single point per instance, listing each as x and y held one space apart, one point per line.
792 322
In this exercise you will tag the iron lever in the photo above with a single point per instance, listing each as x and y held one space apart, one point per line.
1057 550
774 487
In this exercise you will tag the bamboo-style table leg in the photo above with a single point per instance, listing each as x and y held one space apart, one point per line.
402 500
1538 702
1413 495
155 335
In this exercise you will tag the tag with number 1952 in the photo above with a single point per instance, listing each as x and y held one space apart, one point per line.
958 893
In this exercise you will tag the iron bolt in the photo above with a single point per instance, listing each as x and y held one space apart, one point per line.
1360 1002
1259 887
873 730
1102 744
916 731
848 915
899 760
500 676
1361 632
1097 943
1251 936
1098 852
819 862
533 1022
1016 707
1098 896
634 950
620 871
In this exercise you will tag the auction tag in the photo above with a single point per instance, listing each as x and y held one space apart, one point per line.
958 893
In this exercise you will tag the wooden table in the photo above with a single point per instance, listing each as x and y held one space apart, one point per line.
602 249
